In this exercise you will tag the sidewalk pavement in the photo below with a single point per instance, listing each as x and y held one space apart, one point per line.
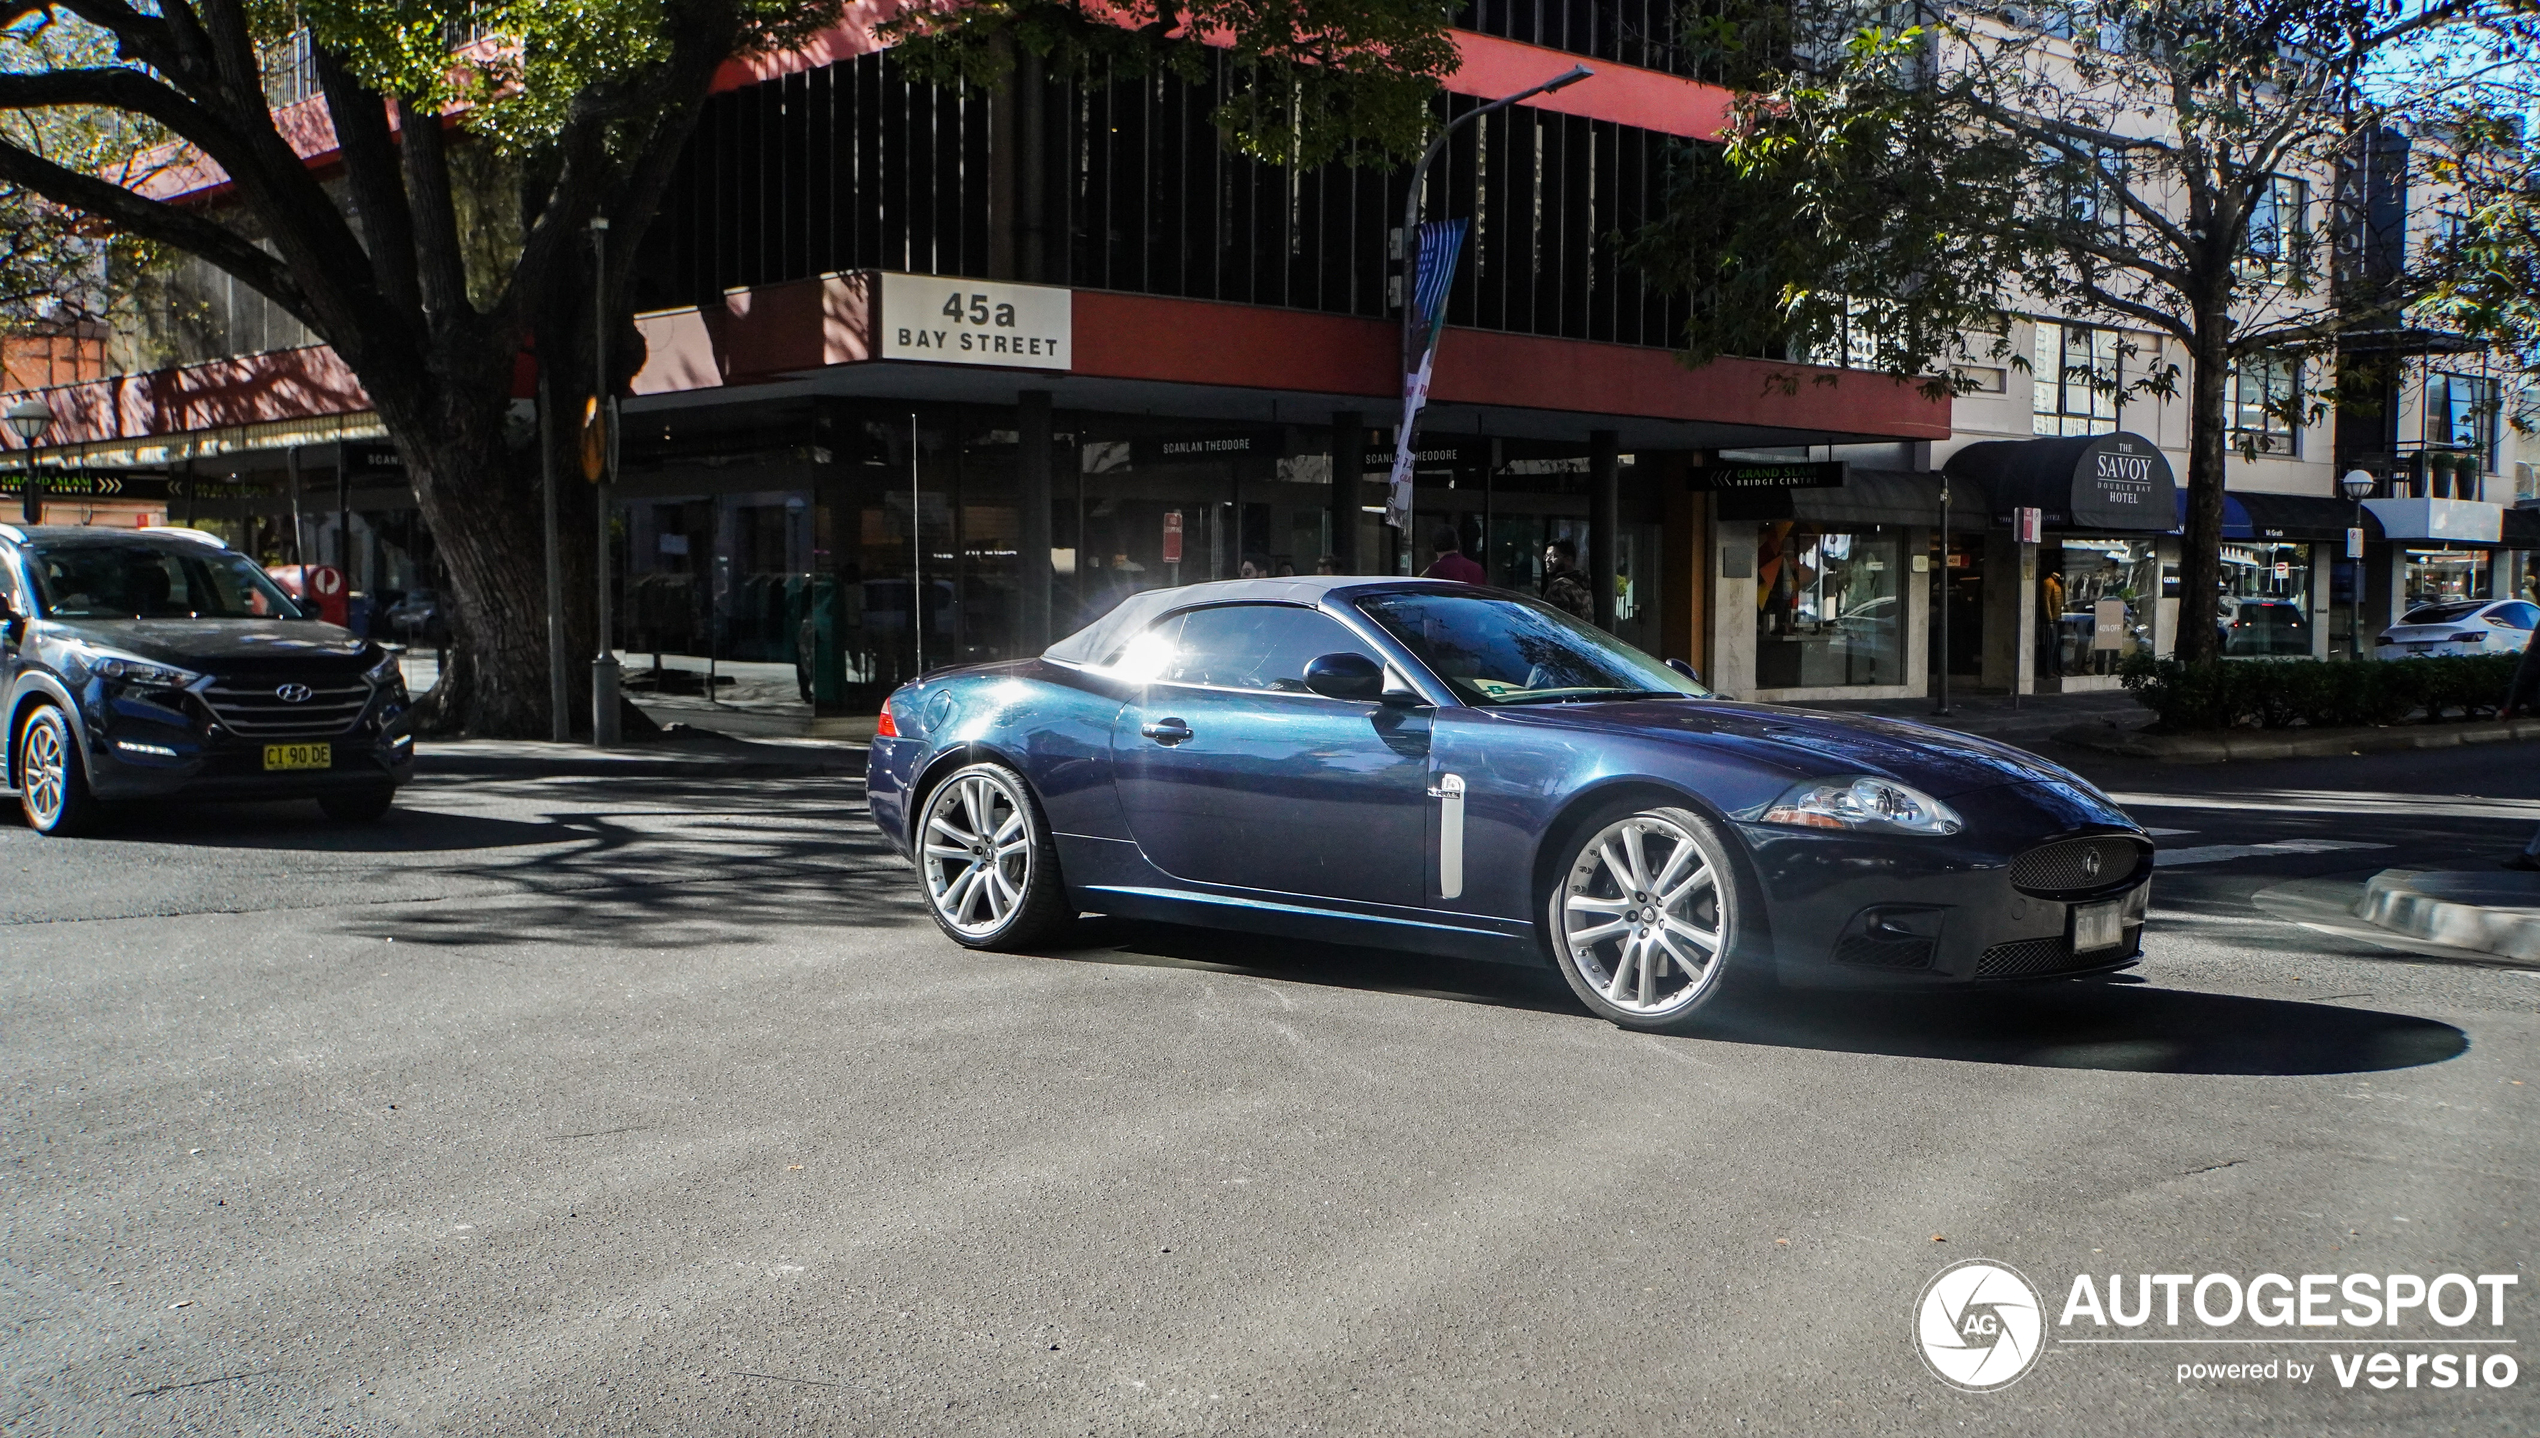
2490 912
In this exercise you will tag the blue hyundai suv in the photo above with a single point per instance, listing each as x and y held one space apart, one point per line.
160 664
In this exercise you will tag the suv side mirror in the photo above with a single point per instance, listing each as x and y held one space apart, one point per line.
1685 669
1346 676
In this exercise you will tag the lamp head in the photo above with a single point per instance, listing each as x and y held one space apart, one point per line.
30 418
1575 74
2357 484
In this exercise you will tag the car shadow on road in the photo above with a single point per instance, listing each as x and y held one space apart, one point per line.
298 825
2124 1026
2128 1028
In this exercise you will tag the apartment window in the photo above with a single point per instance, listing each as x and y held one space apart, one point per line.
2460 413
2075 379
2265 399
2278 224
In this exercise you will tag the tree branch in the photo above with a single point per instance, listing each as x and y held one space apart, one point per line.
440 264
371 172
156 220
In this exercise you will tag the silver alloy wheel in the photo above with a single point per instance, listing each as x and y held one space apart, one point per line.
45 772
1642 915
977 853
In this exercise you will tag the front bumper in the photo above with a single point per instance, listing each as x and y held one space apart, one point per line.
1862 911
138 749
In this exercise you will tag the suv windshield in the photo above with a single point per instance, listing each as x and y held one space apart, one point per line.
1504 650
153 581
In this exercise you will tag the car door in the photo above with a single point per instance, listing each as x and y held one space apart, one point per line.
1230 773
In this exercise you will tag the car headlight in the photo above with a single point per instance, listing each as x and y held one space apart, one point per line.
131 669
386 672
1876 805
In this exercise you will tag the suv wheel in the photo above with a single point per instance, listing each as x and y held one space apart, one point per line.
359 806
52 781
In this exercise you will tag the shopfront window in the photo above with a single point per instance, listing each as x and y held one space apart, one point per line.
2097 594
2434 576
1830 606
2265 611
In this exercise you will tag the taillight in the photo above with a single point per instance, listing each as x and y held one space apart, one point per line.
883 728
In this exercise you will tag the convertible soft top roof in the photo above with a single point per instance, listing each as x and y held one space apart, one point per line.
1089 644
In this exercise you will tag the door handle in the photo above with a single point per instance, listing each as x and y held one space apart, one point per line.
1167 732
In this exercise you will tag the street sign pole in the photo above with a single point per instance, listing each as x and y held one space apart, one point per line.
604 675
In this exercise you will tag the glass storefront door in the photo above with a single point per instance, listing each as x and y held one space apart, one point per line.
1830 606
2266 605
2094 603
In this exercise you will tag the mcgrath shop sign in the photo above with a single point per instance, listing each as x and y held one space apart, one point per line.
1981 1326
949 320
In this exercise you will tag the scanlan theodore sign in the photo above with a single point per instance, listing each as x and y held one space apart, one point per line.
949 320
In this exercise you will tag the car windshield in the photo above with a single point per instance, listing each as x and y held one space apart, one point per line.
154 581
2444 613
1506 650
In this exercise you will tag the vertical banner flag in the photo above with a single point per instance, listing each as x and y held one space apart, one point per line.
1441 242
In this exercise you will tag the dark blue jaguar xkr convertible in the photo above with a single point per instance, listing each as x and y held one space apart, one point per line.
1432 766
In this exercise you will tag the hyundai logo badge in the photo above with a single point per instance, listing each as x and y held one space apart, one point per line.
2089 858
302 694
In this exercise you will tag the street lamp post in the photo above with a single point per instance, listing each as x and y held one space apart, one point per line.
31 418
1409 242
2357 485
604 675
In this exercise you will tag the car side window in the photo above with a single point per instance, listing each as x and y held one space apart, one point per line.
1257 646
2517 616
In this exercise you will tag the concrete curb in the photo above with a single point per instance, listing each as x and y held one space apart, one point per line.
2295 743
2446 908
673 759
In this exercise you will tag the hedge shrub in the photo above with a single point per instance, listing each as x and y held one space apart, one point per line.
2280 693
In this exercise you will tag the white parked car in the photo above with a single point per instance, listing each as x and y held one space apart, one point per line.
2467 626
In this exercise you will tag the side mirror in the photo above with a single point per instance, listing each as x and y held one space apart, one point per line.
1346 676
1685 669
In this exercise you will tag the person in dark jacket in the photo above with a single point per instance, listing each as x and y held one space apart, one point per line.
2521 694
1563 588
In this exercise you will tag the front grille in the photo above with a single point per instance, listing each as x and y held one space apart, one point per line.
258 711
1878 953
2076 866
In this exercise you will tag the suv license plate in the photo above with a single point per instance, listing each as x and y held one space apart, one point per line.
2098 926
299 756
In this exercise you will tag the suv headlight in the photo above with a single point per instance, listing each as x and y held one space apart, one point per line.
386 672
131 669
1874 805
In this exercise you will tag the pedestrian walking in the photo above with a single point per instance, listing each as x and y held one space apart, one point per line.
1563 589
1451 563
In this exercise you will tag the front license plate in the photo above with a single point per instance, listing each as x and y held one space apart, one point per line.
2098 926
299 756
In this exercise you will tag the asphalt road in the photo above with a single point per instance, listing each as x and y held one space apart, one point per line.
655 1106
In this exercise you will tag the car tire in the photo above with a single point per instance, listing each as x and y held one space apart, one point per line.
1646 915
357 806
987 868
53 775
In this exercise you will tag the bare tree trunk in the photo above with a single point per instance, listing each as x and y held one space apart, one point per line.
2200 563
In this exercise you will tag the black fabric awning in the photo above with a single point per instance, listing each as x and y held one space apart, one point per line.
2297 517
2101 483
1868 496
